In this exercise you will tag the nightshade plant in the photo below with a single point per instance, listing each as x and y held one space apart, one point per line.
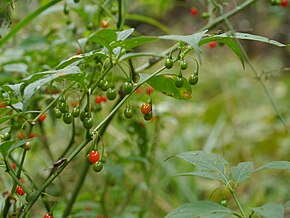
74 91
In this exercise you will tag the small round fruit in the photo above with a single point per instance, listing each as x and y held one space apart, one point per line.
105 24
105 86
179 82
98 166
111 94
88 123
284 3
57 113
42 117
101 83
63 107
169 63
194 11
75 112
75 103
128 112
127 88
67 118
47 216
6 136
183 65
20 191
212 44
193 79
94 156
98 99
149 90
148 116
146 108
61 99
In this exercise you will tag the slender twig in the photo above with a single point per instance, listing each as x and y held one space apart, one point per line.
120 14
236 200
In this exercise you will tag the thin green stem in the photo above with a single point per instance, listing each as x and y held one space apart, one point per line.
120 14
237 201
26 20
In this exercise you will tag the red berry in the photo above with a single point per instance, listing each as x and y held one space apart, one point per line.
47 216
146 108
2 105
105 24
13 166
20 191
284 3
32 135
94 156
212 44
104 98
21 135
194 11
149 90
75 103
21 180
98 99
78 52
139 90
42 117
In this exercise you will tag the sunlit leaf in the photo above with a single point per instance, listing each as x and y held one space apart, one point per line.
166 84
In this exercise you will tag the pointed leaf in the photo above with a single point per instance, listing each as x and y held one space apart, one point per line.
122 35
270 210
235 48
63 73
104 37
277 165
208 165
201 209
137 41
166 84
242 172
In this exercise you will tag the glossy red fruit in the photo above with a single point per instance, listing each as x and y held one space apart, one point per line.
98 99
2 105
149 90
94 156
284 3
212 44
194 11
20 191
105 24
146 108
13 165
42 117
32 135
47 216
104 99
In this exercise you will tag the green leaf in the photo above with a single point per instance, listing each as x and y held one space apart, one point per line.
270 210
201 209
166 84
277 165
243 36
122 35
235 48
192 40
104 37
48 77
242 172
287 204
5 146
208 165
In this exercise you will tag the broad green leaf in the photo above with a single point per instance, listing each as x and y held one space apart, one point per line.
270 210
166 84
63 73
122 35
192 40
104 37
243 36
277 165
208 165
201 209
5 146
242 172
